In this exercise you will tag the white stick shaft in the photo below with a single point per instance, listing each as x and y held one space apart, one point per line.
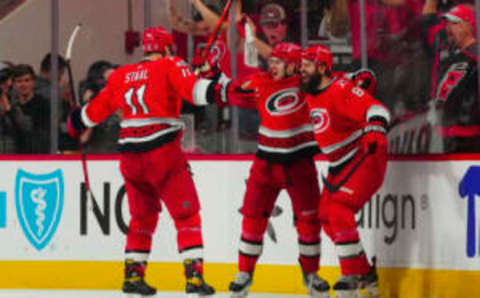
71 40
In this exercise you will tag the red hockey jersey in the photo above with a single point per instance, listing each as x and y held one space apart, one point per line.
285 131
341 113
149 95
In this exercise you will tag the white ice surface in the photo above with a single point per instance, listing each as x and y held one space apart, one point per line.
113 294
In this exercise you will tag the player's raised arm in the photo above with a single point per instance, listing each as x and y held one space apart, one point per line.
199 91
95 111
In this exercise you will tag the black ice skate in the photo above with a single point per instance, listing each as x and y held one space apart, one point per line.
347 286
356 286
240 286
317 287
196 285
134 284
369 282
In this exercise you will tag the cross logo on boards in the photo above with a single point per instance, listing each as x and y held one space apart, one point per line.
470 188
39 201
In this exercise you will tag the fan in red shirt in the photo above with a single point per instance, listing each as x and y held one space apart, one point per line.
149 95
350 128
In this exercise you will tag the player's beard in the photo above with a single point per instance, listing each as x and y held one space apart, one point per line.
312 85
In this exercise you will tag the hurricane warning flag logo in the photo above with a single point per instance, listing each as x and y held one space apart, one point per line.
39 201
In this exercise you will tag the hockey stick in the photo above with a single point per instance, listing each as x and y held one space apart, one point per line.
334 188
216 32
277 210
76 102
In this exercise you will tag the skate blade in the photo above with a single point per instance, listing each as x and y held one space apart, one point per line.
348 294
241 294
197 295
369 292
314 294
130 295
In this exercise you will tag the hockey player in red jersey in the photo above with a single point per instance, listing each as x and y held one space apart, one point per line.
284 160
150 94
350 128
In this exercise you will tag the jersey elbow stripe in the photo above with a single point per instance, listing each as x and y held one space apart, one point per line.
377 128
85 119
378 112
200 92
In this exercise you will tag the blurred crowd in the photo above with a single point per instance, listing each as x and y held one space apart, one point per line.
25 108
423 52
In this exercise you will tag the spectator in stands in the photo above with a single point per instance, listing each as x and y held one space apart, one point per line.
97 75
248 118
43 88
42 83
457 89
273 22
101 139
7 125
333 21
273 28
423 48
31 112
387 21
199 29
434 36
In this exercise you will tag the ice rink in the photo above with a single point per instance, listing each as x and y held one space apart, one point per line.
111 294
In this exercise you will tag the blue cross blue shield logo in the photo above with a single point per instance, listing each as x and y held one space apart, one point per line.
39 201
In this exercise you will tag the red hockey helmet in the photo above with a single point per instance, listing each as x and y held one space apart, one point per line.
320 54
156 39
289 52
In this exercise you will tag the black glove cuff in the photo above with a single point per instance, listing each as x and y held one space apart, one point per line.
76 120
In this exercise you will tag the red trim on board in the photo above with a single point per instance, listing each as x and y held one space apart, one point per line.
437 157
56 157
232 157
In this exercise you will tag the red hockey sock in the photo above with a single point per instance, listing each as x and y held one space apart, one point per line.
308 230
140 231
189 237
357 264
251 243
350 253
347 242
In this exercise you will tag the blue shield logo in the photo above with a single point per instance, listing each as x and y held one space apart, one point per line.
469 188
39 201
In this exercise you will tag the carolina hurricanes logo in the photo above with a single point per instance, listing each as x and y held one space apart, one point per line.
284 102
218 50
320 120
